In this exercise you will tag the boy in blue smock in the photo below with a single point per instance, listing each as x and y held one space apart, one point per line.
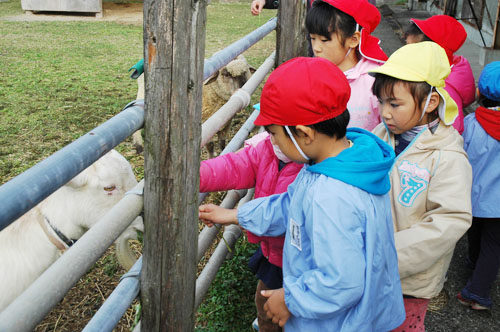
340 269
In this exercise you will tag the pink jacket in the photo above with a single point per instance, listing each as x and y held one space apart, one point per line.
253 166
461 86
363 105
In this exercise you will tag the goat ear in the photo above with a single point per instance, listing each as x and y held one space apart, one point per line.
211 78
252 69
81 179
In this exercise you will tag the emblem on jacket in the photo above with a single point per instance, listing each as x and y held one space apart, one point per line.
414 180
295 239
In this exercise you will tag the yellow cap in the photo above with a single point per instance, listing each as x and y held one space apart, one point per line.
423 62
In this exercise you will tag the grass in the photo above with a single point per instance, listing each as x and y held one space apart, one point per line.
62 79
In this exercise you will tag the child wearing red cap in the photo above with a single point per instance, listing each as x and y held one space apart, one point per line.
262 165
448 33
482 143
336 211
431 177
340 32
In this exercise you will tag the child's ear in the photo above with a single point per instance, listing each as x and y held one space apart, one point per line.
433 103
306 133
353 41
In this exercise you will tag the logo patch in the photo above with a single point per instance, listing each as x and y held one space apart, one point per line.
295 238
414 180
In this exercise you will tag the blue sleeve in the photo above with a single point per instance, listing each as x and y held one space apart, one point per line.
467 134
267 216
336 279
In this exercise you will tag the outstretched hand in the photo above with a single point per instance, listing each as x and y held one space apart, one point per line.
275 306
211 214
257 6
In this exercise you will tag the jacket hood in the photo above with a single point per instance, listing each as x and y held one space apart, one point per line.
461 84
365 165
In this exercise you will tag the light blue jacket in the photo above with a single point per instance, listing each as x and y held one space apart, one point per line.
340 267
484 157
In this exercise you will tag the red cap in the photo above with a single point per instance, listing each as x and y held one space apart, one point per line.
368 17
303 91
444 30
363 12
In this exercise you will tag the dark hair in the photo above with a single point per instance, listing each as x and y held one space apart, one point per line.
335 127
414 30
485 102
324 19
384 85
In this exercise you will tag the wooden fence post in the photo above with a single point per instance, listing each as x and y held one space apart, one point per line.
174 45
291 30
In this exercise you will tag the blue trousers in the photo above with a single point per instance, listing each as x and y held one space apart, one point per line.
484 253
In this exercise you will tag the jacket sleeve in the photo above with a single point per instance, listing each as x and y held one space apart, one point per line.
268 216
336 279
448 216
230 171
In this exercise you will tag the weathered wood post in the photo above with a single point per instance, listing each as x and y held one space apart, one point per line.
291 30
174 44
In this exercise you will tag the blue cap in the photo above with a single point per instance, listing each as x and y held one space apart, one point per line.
489 81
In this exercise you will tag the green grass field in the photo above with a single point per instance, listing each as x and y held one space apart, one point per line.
62 79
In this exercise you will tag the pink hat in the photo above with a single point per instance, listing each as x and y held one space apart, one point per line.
445 31
303 91
368 17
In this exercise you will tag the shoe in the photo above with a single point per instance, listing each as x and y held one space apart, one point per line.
255 324
471 303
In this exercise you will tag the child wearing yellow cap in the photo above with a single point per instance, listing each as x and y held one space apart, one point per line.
431 178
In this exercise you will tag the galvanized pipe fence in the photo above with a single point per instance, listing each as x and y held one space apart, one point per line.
23 192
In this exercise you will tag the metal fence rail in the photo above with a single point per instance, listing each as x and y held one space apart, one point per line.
43 294
26 190
224 56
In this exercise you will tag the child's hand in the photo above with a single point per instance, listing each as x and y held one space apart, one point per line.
211 214
256 7
275 306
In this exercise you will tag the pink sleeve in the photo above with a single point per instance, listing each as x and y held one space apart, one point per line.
256 139
230 171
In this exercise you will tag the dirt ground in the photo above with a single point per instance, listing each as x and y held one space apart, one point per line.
125 13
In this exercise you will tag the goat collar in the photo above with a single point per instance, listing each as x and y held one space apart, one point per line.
55 236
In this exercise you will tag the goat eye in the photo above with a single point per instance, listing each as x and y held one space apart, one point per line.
110 188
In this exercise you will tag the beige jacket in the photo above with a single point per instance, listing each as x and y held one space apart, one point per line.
431 206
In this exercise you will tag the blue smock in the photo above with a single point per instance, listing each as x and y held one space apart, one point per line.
340 268
484 157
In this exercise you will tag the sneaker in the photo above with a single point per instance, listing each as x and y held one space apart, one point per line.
471 303
255 324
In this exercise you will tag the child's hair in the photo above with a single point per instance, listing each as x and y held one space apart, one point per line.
384 85
335 127
414 30
485 102
324 19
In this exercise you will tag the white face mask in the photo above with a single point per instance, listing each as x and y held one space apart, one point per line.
280 155
295 143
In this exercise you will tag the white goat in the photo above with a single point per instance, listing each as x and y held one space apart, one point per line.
31 244
217 90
